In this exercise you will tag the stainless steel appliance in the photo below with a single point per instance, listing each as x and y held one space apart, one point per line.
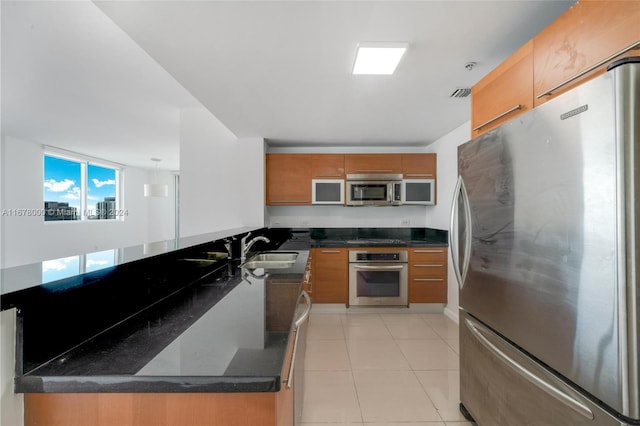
374 189
378 277
327 191
545 250
419 191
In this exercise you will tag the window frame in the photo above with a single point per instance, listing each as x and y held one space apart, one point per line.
84 162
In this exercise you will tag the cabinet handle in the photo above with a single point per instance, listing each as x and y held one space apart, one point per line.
428 279
329 176
497 117
330 251
375 170
427 251
418 174
428 266
588 70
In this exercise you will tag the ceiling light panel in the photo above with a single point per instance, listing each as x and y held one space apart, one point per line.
378 58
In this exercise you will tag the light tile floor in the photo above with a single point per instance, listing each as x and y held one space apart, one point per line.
379 369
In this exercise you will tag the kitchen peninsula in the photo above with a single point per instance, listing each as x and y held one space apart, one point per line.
186 335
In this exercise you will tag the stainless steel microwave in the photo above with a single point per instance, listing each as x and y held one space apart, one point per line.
374 190
419 191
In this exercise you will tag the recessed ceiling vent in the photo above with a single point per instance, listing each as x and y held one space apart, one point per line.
461 92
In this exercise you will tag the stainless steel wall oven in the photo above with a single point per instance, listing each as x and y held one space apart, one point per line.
378 278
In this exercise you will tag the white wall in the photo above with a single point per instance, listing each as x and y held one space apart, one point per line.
348 217
447 149
221 177
28 239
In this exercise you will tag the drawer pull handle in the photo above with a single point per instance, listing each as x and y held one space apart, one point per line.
428 266
427 251
497 117
330 251
428 279
588 70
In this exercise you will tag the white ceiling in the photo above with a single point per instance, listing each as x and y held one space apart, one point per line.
278 70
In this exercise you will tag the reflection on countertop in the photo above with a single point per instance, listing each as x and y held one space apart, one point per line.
222 333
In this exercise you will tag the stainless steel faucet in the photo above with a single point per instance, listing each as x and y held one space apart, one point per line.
228 246
244 246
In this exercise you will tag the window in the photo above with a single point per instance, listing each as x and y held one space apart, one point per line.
76 189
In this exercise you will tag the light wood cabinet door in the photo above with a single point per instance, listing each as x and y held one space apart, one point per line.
428 275
288 179
327 166
586 34
419 166
504 93
330 275
373 163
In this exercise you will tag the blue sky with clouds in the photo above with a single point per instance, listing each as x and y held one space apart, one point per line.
62 182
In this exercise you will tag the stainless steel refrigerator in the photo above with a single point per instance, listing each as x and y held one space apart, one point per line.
544 241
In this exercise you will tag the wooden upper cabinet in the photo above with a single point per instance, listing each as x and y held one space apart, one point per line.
419 166
373 163
504 93
288 179
327 166
586 34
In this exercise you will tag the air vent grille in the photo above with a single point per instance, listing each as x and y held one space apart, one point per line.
461 92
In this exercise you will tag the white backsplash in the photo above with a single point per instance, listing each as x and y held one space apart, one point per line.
346 217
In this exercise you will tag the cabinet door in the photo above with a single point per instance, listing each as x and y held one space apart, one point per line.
373 163
288 179
327 166
417 166
504 93
428 275
586 34
330 274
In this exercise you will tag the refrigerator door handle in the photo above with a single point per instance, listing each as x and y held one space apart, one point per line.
453 234
460 268
531 377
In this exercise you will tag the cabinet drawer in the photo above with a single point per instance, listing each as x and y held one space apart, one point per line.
428 290
435 269
428 255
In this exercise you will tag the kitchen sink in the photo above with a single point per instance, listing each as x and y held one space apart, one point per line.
271 260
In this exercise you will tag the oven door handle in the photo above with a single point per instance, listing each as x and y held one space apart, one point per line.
380 267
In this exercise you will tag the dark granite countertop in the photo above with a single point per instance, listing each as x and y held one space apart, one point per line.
226 332
367 237
163 324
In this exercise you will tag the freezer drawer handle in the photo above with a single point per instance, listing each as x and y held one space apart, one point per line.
497 117
537 381
588 70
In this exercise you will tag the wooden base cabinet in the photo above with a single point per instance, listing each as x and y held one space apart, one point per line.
159 409
330 274
428 275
